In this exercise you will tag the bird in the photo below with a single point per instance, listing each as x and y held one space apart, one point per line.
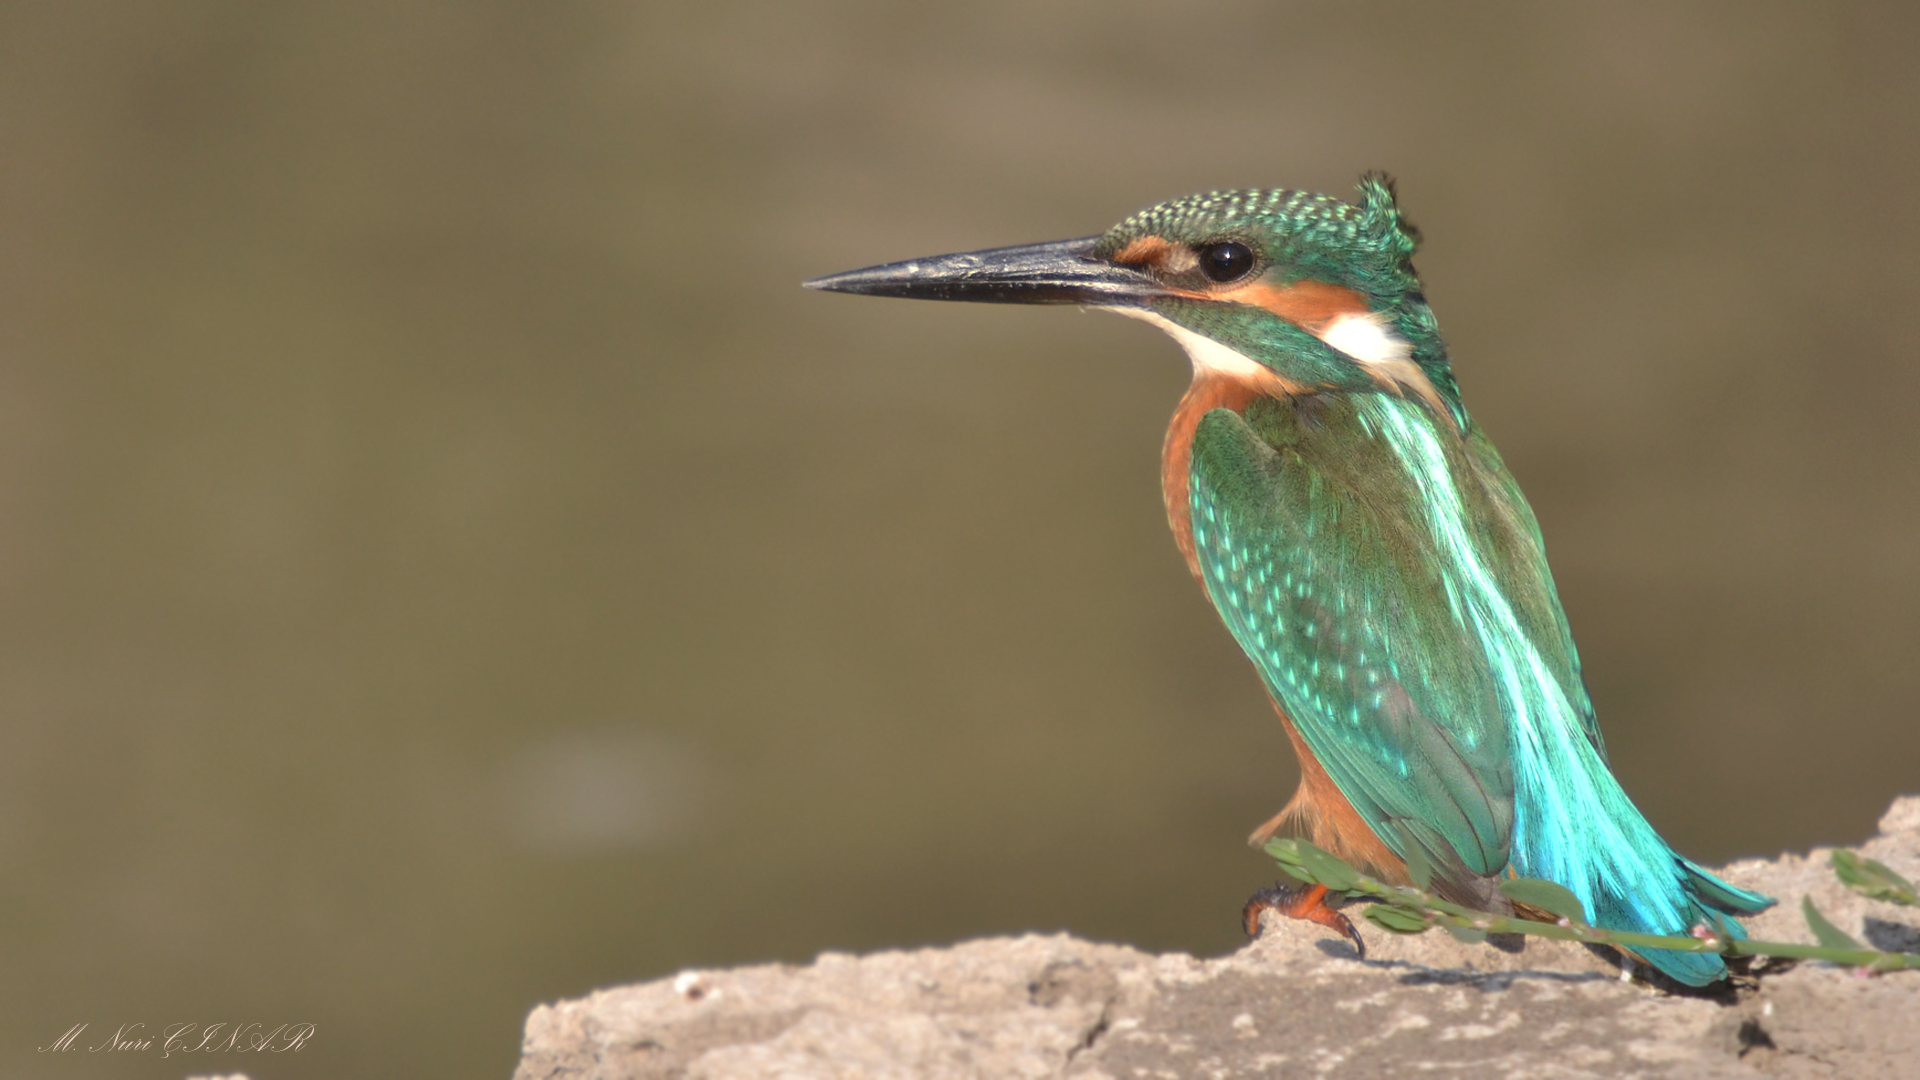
1368 550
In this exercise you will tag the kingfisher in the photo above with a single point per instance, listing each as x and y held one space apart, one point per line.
1365 545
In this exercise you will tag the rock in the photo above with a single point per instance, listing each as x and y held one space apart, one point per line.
1294 1002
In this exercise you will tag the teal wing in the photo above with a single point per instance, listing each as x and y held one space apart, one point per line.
1390 584
1313 546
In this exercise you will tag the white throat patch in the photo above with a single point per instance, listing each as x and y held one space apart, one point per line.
1208 355
1367 338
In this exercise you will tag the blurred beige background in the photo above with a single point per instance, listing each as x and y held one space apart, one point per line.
447 563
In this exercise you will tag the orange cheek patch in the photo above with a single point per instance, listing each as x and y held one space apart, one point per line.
1310 305
1147 249
1158 252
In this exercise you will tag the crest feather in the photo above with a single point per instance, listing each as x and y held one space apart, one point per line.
1380 219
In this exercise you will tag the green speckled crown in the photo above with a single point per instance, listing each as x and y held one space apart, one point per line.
1368 245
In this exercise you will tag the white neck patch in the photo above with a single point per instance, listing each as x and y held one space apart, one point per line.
1367 337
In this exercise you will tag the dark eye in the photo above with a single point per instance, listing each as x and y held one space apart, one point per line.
1228 260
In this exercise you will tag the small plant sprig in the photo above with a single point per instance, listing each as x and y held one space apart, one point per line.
1411 909
1872 879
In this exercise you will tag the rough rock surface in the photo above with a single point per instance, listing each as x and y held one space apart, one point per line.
1296 1002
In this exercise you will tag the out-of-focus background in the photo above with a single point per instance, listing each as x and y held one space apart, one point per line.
447 563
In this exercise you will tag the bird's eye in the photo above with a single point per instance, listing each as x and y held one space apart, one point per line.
1228 260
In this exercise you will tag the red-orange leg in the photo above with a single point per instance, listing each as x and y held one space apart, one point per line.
1309 904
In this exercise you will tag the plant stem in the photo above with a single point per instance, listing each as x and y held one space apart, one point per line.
1311 864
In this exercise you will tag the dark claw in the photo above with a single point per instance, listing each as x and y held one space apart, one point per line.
1279 898
1309 904
1353 934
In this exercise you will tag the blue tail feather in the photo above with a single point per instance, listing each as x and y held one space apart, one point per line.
1709 901
1719 895
1647 888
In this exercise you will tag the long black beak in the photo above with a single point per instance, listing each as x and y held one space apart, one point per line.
1059 272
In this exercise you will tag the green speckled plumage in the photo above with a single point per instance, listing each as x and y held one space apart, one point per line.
1315 547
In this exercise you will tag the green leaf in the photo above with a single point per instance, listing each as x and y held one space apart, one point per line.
1400 920
1466 935
1312 865
1827 934
1872 879
1547 896
1419 870
1286 851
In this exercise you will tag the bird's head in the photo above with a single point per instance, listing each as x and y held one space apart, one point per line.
1297 291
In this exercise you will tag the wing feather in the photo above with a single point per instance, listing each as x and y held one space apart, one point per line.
1318 559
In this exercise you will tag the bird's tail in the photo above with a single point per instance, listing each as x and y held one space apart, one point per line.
1709 902
1583 832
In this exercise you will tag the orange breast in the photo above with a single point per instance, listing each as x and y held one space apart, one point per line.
1208 391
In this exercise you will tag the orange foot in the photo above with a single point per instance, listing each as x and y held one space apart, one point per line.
1309 904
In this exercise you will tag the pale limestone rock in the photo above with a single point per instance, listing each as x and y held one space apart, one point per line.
1295 1002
